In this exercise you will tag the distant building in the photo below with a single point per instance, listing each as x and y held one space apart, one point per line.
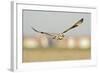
43 40
71 42
84 42
30 42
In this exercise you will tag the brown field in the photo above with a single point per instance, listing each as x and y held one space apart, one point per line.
48 54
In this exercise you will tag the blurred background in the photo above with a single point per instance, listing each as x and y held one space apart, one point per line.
42 41
76 44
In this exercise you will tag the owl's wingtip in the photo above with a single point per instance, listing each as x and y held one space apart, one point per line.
81 19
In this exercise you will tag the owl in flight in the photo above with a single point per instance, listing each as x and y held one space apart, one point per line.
60 36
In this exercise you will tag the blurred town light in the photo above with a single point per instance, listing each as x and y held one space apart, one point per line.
30 43
71 43
84 43
44 41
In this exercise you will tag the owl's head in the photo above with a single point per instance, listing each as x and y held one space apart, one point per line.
60 36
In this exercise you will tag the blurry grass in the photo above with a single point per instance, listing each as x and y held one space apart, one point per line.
55 54
54 48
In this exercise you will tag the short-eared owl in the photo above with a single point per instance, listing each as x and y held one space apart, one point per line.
60 36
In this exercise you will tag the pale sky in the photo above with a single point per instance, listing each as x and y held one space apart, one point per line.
55 22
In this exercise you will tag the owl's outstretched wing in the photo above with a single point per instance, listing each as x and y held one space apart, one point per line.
75 25
42 32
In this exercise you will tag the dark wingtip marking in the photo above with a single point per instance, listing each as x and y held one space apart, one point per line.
82 20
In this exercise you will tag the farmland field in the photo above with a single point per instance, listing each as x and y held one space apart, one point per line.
55 54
